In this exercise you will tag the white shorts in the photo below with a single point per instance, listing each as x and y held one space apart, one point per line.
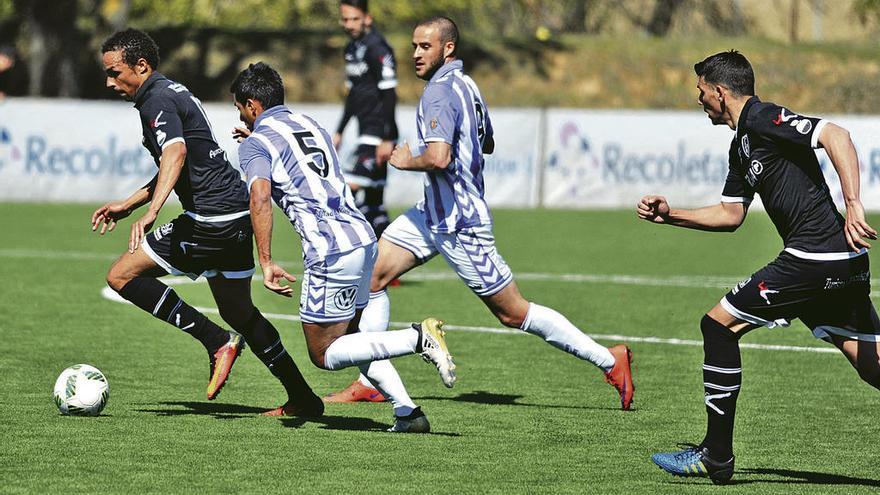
470 252
333 290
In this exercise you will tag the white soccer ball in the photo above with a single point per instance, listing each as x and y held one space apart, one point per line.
81 390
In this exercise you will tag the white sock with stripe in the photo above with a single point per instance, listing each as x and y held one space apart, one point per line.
557 331
364 347
382 376
375 318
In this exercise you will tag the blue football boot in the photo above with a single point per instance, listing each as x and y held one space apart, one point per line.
694 461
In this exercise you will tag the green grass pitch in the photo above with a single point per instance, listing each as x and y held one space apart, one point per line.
523 417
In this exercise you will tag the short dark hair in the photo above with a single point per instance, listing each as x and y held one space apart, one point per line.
729 69
363 5
135 45
447 27
258 82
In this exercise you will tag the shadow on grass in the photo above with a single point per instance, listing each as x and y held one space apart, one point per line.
483 397
346 423
218 410
795 477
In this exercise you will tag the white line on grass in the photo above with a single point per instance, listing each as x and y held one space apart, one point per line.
108 293
688 281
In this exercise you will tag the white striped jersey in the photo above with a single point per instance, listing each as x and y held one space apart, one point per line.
452 110
297 157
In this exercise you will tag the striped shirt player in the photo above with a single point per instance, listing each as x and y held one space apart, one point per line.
297 156
453 211
453 220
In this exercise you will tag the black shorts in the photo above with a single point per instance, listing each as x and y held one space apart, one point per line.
829 297
204 247
366 172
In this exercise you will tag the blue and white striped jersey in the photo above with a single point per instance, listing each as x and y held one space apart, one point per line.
297 157
452 110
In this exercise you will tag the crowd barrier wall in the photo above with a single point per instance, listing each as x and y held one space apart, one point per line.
56 150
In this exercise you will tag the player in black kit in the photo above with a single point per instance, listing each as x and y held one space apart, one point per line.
821 276
371 79
212 238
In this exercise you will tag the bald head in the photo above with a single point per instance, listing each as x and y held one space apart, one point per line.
447 28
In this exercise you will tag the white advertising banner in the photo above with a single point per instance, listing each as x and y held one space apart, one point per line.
87 151
610 159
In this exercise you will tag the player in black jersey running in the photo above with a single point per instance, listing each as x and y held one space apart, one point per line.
821 276
212 238
371 75
371 78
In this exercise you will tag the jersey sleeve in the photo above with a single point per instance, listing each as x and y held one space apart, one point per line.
736 188
380 60
784 126
254 160
160 115
441 113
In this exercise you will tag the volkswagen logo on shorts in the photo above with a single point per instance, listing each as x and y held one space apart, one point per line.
344 298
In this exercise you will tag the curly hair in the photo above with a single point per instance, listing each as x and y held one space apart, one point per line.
135 45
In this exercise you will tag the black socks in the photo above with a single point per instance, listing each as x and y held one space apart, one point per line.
162 302
722 378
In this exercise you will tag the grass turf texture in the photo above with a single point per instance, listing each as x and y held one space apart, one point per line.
523 416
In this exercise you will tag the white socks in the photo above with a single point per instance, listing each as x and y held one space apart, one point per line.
375 318
381 374
377 314
557 331
364 347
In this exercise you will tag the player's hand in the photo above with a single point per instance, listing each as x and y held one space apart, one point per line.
400 156
383 152
337 140
240 133
107 216
138 230
857 227
653 209
273 275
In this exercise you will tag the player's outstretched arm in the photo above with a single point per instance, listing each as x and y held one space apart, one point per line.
261 219
723 217
839 146
107 215
170 164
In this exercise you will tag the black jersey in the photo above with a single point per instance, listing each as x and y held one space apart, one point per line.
208 184
772 155
371 78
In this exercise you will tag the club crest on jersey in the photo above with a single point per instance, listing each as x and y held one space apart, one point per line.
344 297
433 123
746 148
765 292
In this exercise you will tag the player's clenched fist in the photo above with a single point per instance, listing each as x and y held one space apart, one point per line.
653 209
401 156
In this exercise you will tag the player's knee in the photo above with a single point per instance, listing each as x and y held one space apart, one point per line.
116 279
511 319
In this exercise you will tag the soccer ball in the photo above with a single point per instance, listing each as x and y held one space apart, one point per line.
81 390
